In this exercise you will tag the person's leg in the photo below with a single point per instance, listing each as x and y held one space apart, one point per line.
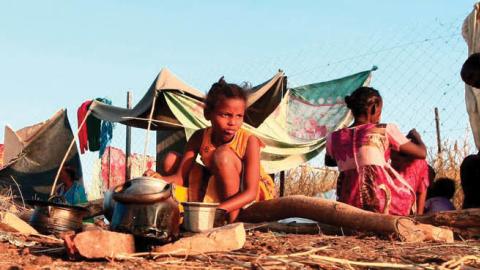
227 169
195 183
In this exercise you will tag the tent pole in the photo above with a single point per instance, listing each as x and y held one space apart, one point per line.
437 128
282 183
128 139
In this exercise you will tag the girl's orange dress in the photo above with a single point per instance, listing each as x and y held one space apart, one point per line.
238 144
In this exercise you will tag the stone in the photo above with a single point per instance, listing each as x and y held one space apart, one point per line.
221 239
11 223
97 244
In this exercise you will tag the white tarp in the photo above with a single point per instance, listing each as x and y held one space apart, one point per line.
471 34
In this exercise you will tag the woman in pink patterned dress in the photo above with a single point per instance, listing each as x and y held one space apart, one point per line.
360 151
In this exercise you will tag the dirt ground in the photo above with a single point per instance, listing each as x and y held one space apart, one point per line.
267 250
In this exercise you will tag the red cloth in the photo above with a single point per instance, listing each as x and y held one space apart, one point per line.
414 171
82 133
365 175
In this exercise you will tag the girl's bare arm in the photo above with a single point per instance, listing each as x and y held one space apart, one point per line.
415 148
192 148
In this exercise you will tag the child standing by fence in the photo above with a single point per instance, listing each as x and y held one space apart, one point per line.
366 179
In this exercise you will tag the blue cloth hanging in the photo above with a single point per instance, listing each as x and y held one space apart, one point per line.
106 130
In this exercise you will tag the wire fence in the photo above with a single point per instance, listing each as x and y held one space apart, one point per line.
418 70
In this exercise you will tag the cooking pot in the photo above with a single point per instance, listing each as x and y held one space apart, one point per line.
144 207
53 218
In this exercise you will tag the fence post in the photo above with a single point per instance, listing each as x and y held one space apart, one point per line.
128 139
282 183
437 125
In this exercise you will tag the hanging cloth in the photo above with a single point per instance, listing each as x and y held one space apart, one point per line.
94 127
83 132
106 130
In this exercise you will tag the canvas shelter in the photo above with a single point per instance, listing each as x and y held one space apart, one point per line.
293 127
32 156
263 99
171 135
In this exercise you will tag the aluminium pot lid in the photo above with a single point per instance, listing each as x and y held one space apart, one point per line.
66 206
200 204
144 186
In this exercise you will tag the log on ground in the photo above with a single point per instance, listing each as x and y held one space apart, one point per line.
458 218
343 215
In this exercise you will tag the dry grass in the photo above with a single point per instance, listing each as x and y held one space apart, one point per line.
8 204
309 181
447 164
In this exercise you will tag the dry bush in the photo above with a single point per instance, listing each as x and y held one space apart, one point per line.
447 164
8 203
309 181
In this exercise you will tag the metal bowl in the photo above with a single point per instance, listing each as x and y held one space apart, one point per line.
198 216
54 218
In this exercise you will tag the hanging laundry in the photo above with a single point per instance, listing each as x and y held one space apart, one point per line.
93 128
95 134
83 133
113 167
106 130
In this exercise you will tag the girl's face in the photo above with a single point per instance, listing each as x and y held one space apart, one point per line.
226 119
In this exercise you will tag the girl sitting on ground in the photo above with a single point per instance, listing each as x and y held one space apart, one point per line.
231 156
366 179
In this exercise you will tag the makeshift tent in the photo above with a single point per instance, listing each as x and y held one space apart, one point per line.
262 100
285 146
471 34
32 156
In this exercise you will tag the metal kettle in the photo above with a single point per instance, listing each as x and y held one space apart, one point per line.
144 207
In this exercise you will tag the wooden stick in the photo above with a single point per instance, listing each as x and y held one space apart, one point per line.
457 218
68 152
343 215
299 254
147 139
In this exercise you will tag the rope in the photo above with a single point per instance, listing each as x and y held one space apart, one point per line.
147 139
154 121
68 152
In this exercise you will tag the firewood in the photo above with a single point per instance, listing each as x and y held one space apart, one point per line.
458 218
343 215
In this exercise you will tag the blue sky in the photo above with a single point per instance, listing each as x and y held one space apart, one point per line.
56 54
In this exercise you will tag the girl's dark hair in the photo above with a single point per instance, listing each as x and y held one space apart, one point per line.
71 172
221 90
443 187
361 99
470 72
